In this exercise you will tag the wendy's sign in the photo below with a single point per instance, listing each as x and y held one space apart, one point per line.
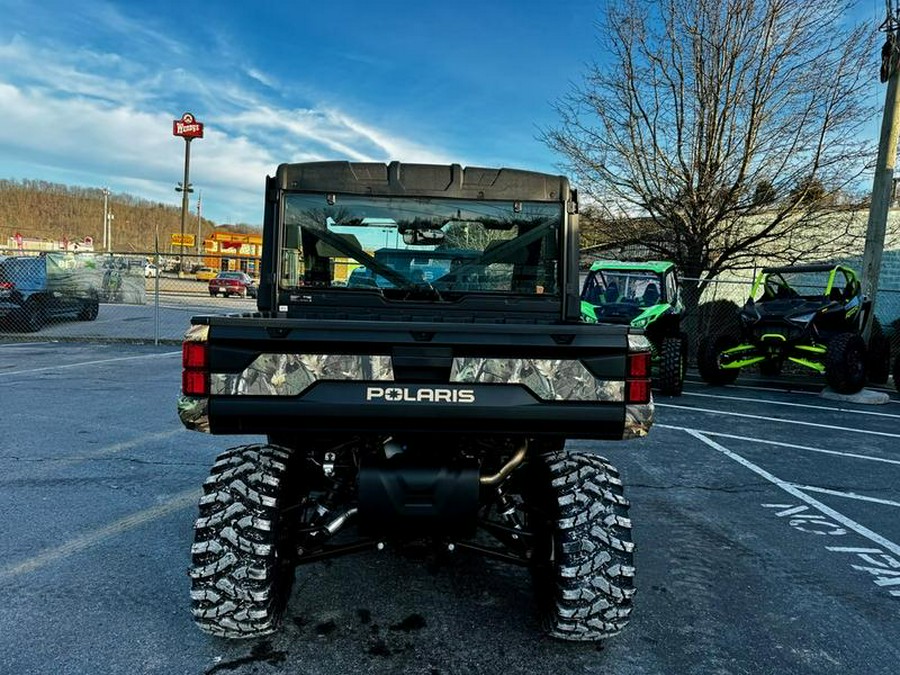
187 127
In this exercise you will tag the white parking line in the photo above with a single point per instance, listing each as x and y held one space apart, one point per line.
148 440
89 363
763 418
783 390
793 405
781 444
89 539
792 490
846 495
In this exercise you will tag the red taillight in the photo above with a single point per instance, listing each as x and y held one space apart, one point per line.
195 383
193 355
639 364
6 285
637 382
195 376
637 391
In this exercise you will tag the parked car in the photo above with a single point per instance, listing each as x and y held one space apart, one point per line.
206 273
233 283
151 271
34 290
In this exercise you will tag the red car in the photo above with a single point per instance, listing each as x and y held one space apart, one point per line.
233 283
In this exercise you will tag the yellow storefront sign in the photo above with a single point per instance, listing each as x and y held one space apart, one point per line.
182 240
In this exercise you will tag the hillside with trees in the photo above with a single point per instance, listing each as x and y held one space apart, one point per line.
41 210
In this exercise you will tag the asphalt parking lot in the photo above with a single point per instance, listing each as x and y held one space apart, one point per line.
765 520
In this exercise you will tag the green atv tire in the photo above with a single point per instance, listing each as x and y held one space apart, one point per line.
897 373
770 368
672 361
845 363
709 360
878 360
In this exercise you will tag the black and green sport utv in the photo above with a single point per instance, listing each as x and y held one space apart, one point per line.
809 315
644 295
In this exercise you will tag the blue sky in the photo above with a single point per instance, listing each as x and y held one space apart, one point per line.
89 89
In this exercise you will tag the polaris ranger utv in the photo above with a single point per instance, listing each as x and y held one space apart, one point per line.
417 363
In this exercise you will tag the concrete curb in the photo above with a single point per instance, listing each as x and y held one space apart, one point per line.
864 396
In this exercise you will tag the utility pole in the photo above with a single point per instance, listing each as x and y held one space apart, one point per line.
199 219
883 183
105 192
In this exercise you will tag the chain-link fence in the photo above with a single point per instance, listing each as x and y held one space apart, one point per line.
141 296
120 296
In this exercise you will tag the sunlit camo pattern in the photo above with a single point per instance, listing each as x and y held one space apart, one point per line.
291 374
198 333
548 379
194 413
638 420
638 343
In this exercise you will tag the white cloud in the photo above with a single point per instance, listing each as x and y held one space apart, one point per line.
106 119
261 77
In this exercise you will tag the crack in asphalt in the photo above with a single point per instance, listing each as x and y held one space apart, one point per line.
762 487
61 460
746 487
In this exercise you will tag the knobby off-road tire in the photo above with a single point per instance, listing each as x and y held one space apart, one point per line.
897 373
708 360
672 366
770 368
845 363
878 359
243 556
584 557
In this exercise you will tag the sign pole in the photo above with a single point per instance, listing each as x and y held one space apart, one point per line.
189 129
184 200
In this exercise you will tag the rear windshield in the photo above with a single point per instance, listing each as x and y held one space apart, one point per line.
403 247
642 288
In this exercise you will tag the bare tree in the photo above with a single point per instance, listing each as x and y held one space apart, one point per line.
722 134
